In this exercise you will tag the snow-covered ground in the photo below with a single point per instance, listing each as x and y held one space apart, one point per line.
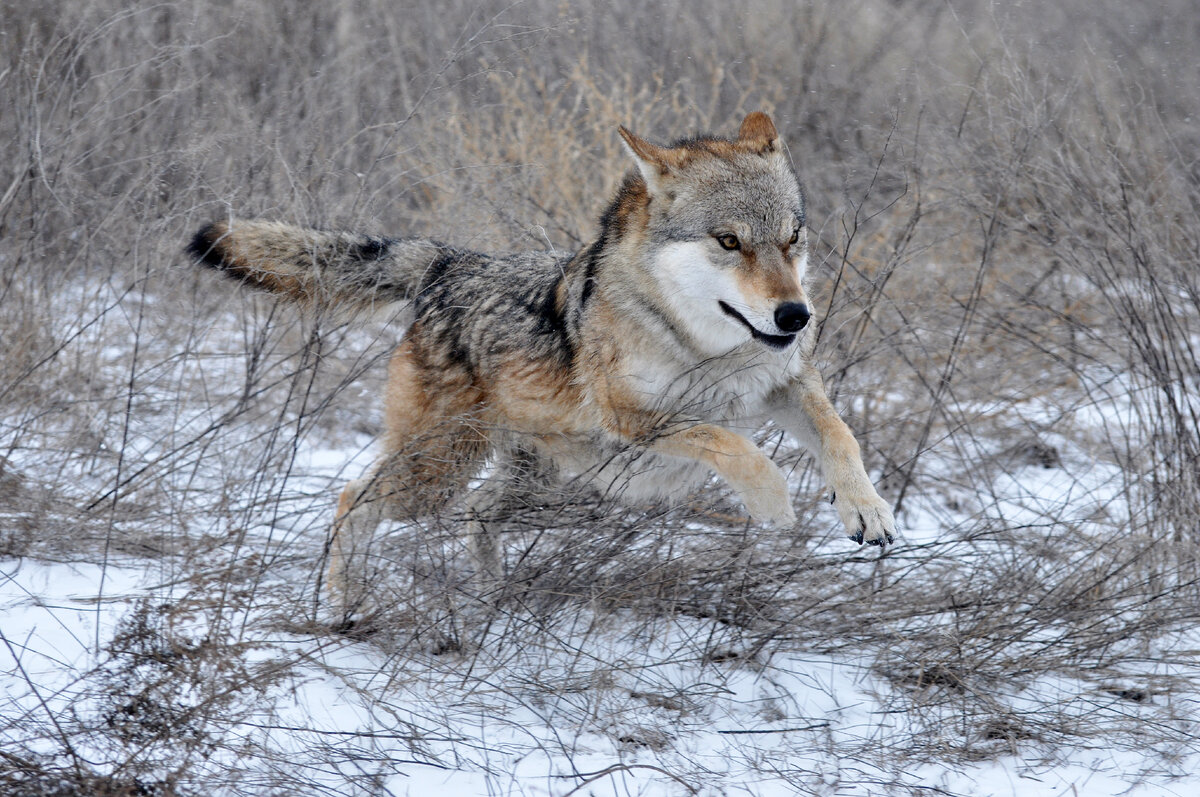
592 703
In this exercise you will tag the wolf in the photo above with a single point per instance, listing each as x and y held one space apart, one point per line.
641 363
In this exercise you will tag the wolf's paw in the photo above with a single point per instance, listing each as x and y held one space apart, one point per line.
770 504
783 518
867 517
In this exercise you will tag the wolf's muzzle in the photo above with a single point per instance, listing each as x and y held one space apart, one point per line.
774 341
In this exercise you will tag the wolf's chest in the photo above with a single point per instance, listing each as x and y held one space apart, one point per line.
719 390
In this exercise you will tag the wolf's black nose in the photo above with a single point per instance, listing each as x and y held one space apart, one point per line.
791 316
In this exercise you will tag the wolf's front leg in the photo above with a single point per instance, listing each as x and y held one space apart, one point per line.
806 412
758 482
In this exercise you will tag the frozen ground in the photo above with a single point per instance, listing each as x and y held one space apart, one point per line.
585 704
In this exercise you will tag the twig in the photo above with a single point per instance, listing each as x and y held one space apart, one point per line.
591 777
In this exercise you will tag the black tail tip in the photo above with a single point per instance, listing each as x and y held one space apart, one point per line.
206 246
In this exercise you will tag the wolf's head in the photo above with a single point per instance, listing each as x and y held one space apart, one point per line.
724 235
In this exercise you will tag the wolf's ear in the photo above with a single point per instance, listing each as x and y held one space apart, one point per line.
654 162
758 133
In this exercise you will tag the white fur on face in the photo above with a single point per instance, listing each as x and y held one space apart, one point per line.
693 285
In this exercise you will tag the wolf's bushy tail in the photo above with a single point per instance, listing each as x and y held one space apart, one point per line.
317 265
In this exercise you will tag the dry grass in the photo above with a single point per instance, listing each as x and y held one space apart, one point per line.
1007 215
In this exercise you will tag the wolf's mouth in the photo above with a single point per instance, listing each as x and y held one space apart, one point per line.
774 341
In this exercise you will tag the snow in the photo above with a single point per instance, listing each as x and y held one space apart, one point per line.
610 714
599 703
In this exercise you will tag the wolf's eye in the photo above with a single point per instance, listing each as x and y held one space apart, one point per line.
795 237
728 241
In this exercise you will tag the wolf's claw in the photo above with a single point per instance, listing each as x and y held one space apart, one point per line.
867 518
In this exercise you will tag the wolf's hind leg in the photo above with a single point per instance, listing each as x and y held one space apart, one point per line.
521 480
405 486
359 512
483 540
434 444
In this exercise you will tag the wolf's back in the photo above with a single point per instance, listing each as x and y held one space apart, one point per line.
317 265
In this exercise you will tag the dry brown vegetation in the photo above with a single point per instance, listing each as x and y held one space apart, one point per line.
1006 208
